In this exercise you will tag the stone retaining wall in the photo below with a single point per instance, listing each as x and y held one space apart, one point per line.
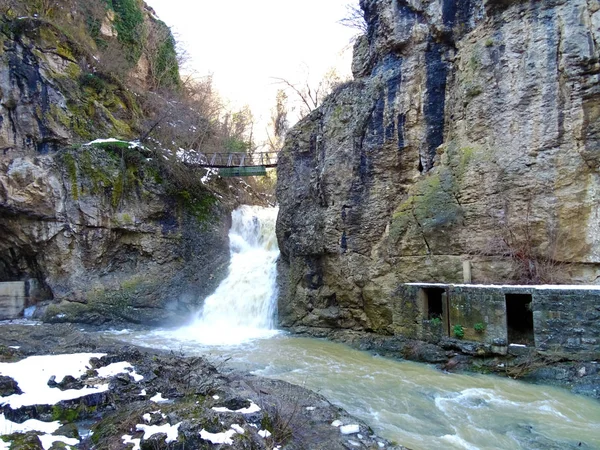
563 319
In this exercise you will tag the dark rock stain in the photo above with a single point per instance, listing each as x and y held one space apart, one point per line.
435 100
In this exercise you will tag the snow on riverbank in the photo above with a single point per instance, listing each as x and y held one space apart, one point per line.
32 375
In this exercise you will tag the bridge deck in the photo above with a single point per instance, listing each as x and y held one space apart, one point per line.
234 159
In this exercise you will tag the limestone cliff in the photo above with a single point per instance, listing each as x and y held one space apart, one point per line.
108 231
470 133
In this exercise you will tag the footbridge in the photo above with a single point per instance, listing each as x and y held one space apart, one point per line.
234 164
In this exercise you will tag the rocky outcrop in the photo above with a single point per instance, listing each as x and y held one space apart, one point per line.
47 100
470 134
108 242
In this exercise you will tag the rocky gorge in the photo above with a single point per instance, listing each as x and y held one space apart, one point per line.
466 147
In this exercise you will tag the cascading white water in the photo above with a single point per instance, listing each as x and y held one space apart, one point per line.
243 306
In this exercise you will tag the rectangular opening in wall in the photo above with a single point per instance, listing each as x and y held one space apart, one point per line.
434 301
519 319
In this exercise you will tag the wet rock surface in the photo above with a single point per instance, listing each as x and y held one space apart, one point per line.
186 394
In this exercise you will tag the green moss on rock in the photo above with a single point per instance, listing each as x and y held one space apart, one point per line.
199 204
430 205
71 168
21 441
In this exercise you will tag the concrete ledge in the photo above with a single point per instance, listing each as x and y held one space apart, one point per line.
12 299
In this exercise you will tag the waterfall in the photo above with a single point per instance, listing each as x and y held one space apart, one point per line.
243 306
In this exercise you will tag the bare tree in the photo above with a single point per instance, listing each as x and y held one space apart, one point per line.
355 18
279 123
310 95
238 130
163 60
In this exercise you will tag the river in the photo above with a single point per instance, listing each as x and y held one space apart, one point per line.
412 404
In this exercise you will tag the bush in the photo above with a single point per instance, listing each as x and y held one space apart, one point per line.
436 322
459 331
129 24
479 327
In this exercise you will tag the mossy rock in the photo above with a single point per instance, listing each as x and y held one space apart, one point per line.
20 441
430 205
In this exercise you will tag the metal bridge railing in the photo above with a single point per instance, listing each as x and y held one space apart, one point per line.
234 159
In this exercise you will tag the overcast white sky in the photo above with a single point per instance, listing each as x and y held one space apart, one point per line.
246 43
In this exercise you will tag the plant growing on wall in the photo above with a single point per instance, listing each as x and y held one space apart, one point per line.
479 327
459 331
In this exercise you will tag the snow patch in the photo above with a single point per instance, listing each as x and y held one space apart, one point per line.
249 410
218 438
264 433
151 430
209 173
131 144
116 368
571 287
48 439
349 429
238 429
129 440
158 398
8 427
337 423
32 375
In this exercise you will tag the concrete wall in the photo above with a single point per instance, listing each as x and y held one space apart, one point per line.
469 307
566 319
13 299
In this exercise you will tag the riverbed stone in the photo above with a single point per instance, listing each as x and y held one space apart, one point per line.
8 386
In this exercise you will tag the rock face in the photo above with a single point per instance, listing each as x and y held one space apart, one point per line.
105 232
470 134
108 242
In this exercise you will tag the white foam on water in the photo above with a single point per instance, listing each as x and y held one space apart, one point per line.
458 442
244 305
